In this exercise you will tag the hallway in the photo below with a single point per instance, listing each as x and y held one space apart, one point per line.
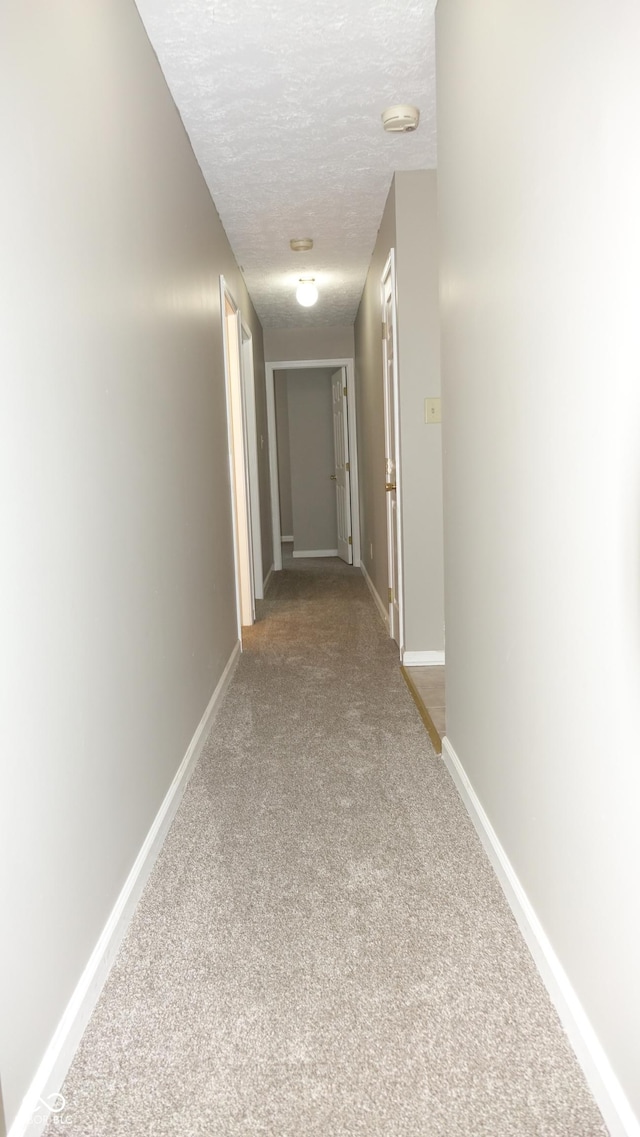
322 947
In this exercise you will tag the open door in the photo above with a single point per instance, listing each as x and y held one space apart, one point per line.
240 496
341 474
392 449
252 460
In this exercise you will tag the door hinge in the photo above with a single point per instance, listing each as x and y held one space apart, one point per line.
347 467
344 392
384 331
391 596
351 540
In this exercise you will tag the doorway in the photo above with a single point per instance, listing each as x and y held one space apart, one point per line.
251 449
322 405
243 458
392 451
342 466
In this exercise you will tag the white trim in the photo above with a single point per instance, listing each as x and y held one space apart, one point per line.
299 365
51 1072
238 470
287 540
272 442
315 553
267 581
234 519
252 461
603 1082
353 463
382 608
389 271
422 658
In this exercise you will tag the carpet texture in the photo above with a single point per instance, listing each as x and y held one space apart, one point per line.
323 948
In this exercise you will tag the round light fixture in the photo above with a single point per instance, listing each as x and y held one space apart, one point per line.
306 292
301 244
401 119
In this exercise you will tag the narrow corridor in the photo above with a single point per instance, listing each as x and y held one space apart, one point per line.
322 947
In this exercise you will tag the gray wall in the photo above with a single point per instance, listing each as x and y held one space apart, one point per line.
409 224
284 454
539 195
370 407
312 459
116 579
334 342
419 377
264 473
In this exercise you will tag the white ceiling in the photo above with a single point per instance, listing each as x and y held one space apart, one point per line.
282 101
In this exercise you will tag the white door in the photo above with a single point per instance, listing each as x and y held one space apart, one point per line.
240 498
341 474
251 449
389 341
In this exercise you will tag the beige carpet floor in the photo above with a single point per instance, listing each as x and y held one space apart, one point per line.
323 948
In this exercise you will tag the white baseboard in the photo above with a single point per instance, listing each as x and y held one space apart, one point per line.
423 658
315 552
384 612
267 581
603 1082
33 1114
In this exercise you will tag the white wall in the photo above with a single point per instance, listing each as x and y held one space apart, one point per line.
116 573
539 174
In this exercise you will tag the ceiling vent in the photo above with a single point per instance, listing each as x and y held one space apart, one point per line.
401 119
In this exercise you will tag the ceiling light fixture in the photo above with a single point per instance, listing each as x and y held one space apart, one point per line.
301 244
306 292
401 119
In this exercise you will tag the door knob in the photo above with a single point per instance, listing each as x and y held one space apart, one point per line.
333 477
389 486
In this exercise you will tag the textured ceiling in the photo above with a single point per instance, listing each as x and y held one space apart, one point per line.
282 101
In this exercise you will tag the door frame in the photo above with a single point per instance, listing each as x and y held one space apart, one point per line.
341 445
252 456
238 467
389 273
300 365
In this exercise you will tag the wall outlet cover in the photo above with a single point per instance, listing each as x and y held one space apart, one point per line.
432 412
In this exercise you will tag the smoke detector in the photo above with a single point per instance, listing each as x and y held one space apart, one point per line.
401 119
301 244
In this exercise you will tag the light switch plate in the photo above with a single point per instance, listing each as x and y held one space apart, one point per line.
432 410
